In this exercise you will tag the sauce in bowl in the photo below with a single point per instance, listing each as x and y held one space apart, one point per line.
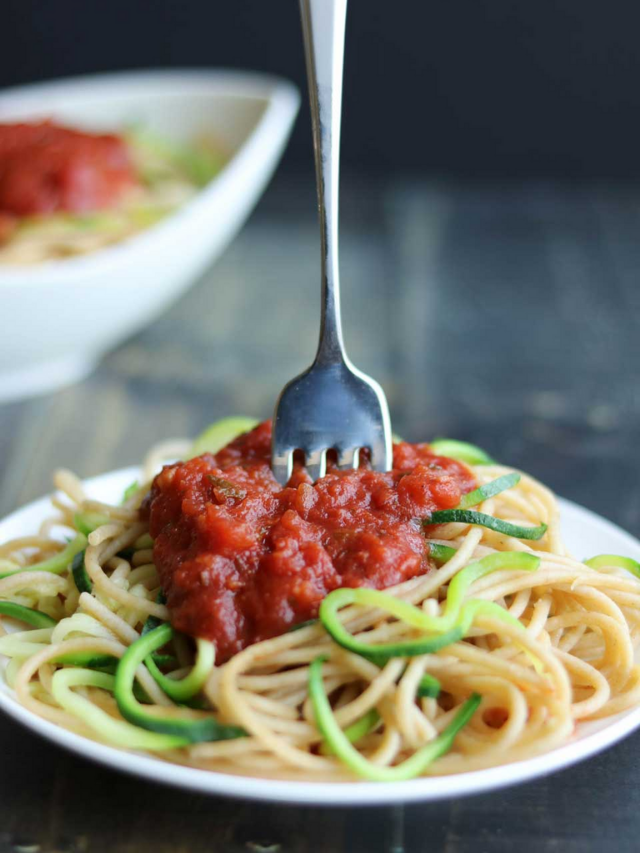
66 192
45 168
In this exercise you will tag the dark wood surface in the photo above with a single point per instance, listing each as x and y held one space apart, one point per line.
508 316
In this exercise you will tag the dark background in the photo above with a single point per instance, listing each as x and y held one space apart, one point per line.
464 88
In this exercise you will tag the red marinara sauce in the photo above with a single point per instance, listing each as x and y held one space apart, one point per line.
241 559
45 168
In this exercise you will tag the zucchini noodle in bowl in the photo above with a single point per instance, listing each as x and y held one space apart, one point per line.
492 646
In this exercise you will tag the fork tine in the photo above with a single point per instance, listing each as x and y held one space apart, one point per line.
282 465
349 457
380 460
316 464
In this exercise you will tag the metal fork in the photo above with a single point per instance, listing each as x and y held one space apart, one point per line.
332 405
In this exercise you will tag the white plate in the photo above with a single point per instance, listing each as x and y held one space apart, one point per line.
586 533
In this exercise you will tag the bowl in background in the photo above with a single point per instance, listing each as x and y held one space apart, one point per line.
59 317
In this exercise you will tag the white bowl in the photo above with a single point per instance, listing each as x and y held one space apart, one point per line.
59 317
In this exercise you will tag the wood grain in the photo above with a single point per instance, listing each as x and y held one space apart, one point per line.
508 316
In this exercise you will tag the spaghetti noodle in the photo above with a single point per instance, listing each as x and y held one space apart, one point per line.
492 656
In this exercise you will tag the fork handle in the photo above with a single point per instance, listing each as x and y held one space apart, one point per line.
323 24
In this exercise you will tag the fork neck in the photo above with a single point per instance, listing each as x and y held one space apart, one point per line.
323 23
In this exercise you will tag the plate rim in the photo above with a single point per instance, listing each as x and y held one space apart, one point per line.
295 792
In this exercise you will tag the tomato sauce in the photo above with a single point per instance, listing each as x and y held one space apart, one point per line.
45 168
242 559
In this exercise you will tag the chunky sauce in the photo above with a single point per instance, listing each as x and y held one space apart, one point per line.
45 168
241 559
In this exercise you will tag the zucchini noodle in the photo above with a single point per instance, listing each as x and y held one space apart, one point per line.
491 657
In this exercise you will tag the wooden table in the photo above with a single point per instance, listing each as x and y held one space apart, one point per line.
508 316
